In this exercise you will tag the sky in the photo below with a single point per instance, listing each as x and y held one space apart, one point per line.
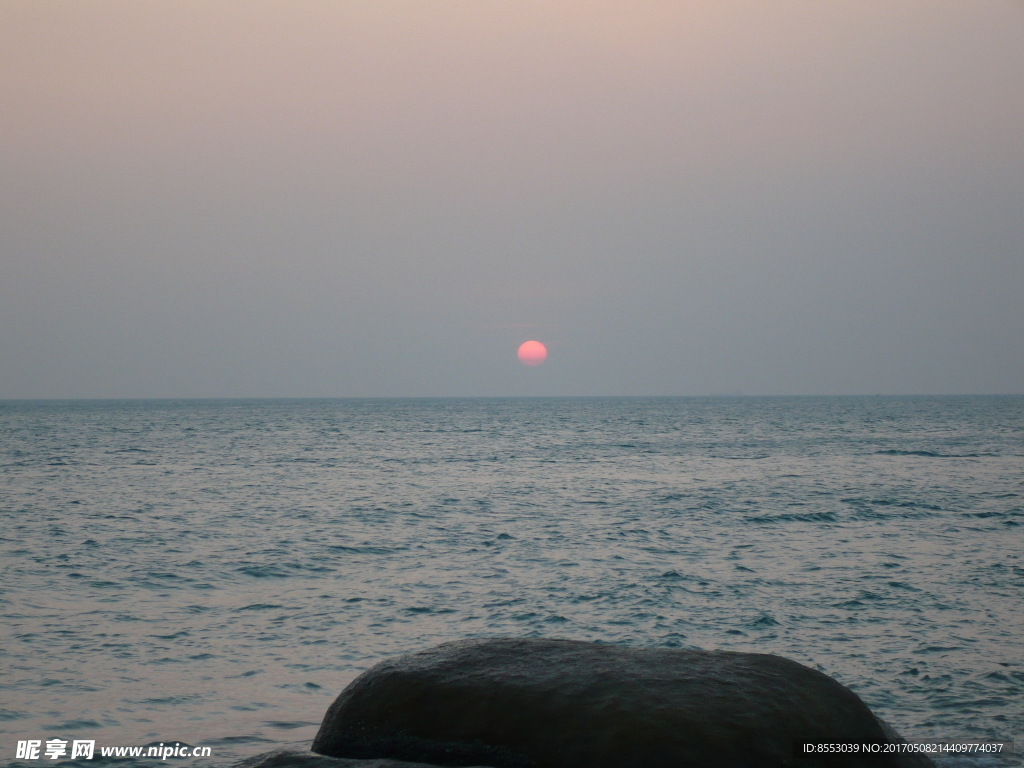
335 199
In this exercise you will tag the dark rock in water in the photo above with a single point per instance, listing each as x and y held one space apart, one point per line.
521 703
286 758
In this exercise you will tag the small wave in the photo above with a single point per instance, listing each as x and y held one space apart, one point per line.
260 607
264 571
287 725
901 585
368 550
172 700
994 513
239 740
174 636
287 758
932 454
936 649
284 571
76 725
810 517
882 509
428 609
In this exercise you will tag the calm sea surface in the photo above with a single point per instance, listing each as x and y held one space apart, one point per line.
215 572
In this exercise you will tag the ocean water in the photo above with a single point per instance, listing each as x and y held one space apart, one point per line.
215 572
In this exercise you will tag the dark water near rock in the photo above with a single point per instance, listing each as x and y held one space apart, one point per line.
216 571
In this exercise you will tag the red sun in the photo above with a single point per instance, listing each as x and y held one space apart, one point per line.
532 353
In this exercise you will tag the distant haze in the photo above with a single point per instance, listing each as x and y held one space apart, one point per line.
216 199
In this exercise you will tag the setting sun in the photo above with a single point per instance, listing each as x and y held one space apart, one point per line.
532 353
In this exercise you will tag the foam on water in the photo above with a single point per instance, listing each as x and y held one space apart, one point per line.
214 572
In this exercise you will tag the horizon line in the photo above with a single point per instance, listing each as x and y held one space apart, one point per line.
722 395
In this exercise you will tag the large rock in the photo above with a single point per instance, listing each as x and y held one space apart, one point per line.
513 703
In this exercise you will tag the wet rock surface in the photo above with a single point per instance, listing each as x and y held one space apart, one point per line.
517 703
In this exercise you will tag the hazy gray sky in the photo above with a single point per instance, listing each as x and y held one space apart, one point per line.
207 199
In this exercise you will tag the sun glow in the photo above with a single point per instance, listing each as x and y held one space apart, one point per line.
532 353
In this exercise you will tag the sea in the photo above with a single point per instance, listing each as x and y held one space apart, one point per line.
215 572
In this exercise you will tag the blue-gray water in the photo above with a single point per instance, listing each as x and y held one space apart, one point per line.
216 571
